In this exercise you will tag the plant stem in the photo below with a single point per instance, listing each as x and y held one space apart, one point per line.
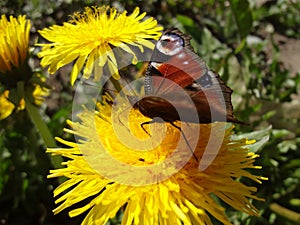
40 124
284 212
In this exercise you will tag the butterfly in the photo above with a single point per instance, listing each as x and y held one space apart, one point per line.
180 87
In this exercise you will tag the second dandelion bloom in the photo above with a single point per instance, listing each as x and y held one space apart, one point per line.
14 43
89 38
149 188
16 76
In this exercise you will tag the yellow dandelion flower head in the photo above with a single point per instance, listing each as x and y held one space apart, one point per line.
7 107
89 39
143 175
37 95
14 42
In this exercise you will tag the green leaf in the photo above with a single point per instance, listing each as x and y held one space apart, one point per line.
295 202
293 164
255 134
184 20
243 16
261 137
240 46
279 133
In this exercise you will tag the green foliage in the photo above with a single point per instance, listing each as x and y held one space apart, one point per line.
236 38
243 20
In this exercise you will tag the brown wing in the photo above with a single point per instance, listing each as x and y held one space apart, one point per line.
182 67
212 98
174 66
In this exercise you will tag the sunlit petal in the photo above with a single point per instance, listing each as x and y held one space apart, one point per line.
96 30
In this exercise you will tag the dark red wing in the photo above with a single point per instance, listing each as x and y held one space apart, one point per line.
175 67
183 68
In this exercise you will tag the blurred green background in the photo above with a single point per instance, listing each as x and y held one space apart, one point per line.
253 45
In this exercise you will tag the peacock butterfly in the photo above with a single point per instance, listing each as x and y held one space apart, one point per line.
174 66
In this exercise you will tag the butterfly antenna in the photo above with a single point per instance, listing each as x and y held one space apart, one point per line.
186 141
131 99
123 124
128 84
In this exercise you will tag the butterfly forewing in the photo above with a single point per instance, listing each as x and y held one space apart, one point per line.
174 59
174 67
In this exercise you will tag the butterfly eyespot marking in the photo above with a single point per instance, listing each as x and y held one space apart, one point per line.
170 44
205 81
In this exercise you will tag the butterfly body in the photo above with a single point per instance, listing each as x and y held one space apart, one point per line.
179 85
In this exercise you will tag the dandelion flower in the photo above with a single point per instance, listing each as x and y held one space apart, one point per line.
14 39
7 107
90 37
14 43
14 48
38 95
148 187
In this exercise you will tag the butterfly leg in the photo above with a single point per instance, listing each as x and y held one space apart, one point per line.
146 123
155 120
185 139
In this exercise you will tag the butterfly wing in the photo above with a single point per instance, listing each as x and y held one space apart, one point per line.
173 58
174 65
